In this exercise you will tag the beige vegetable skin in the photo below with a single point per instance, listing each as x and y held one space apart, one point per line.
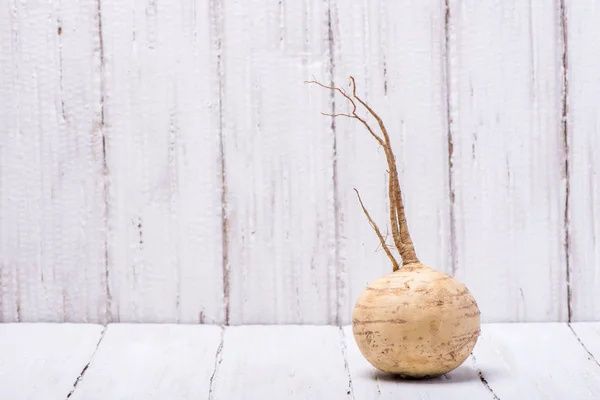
414 322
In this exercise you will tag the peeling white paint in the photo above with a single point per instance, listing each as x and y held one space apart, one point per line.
167 163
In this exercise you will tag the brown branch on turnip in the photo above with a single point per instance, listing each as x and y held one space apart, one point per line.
399 225
389 246
396 267
354 114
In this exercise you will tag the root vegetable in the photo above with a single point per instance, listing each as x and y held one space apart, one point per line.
415 321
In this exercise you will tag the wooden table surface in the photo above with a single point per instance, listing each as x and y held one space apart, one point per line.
140 361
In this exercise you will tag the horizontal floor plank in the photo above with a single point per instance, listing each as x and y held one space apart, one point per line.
536 361
282 362
152 361
510 361
42 361
588 333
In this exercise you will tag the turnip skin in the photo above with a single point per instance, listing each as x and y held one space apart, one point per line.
416 322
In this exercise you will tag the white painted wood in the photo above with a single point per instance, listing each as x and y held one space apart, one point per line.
589 335
278 163
52 264
583 127
113 121
43 361
162 130
370 383
282 362
536 361
151 361
394 50
508 157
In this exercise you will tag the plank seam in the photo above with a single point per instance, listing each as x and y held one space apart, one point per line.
105 175
483 380
591 356
218 360
450 143
565 134
350 391
217 15
336 197
85 368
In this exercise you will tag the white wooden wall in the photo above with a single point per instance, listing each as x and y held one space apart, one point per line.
165 161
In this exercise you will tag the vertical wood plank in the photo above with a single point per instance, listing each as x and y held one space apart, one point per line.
583 129
395 51
162 133
52 255
508 157
278 163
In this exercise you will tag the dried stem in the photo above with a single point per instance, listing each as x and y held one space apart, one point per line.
396 267
398 221
406 246
354 115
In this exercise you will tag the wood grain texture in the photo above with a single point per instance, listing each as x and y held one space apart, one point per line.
279 162
281 362
166 162
583 139
162 133
370 383
394 50
151 361
52 255
588 333
42 361
536 361
508 157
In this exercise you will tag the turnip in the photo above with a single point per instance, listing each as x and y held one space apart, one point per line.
415 321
